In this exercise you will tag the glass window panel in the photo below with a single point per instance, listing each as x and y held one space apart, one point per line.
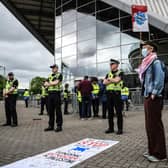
105 31
67 5
87 52
58 53
58 21
103 69
58 42
69 50
100 5
128 39
69 28
82 2
85 21
126 66
123 14
58 3
126 23
108 14
127 51
69 39
70 61
108 40
89 70
107 54
69 16
87 34
58 62
58 32
58 11
88 9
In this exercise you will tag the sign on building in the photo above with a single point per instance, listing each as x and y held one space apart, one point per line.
140 18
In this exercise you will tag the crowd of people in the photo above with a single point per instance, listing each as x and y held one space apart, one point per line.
111 92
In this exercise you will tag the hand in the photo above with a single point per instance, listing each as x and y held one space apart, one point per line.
153 96
46 84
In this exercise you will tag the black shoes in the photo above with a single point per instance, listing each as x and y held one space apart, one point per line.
4 125
119 132
58 129
14 125
48 129
67 113
40 114
109 131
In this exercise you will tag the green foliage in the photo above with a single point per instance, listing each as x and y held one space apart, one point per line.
35 85
2 85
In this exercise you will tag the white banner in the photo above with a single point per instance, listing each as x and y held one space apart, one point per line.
140 18
66 156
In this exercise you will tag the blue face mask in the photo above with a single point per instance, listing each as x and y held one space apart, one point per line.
144 52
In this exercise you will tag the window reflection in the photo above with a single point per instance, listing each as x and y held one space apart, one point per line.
69 39
69 50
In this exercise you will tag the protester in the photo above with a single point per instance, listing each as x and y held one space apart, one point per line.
152 77
85 87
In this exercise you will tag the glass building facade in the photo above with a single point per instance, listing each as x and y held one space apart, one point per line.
90 32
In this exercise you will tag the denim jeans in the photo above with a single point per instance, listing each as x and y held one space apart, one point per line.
86 106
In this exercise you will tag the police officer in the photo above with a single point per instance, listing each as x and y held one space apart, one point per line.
66 98
44 98
79 99
125 96
95 97
10 94
26 97
54 99
113 82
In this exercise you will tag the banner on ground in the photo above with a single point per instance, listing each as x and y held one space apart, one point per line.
140 18
66 156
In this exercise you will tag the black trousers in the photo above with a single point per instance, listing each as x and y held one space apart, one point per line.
10 109
44 102
86 106
66 102
104 109
95 105
114 101
80 109
54 103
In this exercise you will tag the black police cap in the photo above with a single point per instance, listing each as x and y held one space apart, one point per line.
54 66
113 61
10 74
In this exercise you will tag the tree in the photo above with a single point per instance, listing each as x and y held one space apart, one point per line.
2 85
35 85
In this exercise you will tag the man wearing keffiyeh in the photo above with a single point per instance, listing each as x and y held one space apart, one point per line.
152 77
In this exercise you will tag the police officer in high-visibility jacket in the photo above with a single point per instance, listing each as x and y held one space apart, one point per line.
79 99
95 97
26 96
44 99
10 94
113 82
125 96
66 98
54 83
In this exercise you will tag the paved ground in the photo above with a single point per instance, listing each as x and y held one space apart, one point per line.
29 139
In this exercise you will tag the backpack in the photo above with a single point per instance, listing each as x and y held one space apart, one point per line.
165 70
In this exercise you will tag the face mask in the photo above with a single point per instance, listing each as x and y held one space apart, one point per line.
144 52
